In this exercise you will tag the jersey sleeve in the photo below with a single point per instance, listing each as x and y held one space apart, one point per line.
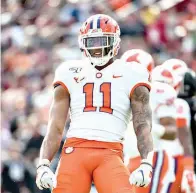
162 99
183 113
139 76
62 77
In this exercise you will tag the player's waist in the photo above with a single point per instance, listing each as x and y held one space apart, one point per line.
99 122
80 142
99 119
173 148
95 134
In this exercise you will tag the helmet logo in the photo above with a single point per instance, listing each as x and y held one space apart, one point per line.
94 30
176 66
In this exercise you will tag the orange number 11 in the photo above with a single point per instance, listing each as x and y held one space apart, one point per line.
105 89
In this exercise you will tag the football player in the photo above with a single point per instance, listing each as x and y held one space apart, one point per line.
101 93
182 152
163 126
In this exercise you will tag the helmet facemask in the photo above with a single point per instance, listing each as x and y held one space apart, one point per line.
99 47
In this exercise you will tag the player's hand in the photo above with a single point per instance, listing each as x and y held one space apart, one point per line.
45 177
188 184
141 177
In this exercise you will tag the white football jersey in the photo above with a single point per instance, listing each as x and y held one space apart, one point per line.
100 100
162 97
163 105
182 112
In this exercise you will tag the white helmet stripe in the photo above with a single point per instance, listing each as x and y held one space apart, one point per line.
95 23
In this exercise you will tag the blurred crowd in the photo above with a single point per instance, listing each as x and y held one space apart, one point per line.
37 35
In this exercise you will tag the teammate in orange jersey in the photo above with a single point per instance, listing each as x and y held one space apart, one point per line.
101 93
182 152
161 95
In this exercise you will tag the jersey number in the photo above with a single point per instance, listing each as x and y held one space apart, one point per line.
105 89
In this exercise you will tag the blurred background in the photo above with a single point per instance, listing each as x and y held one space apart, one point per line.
37 35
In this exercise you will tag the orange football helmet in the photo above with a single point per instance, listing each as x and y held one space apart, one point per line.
99 32
178 68
140 56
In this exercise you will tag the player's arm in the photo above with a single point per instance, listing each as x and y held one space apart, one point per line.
169 124
184 133
57 118
188 180
142 120
185 137
142 123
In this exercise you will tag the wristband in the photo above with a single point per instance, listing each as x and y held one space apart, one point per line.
146 163
43 162
149 158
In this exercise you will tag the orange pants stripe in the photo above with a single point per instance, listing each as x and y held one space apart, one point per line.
90 161
175 187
